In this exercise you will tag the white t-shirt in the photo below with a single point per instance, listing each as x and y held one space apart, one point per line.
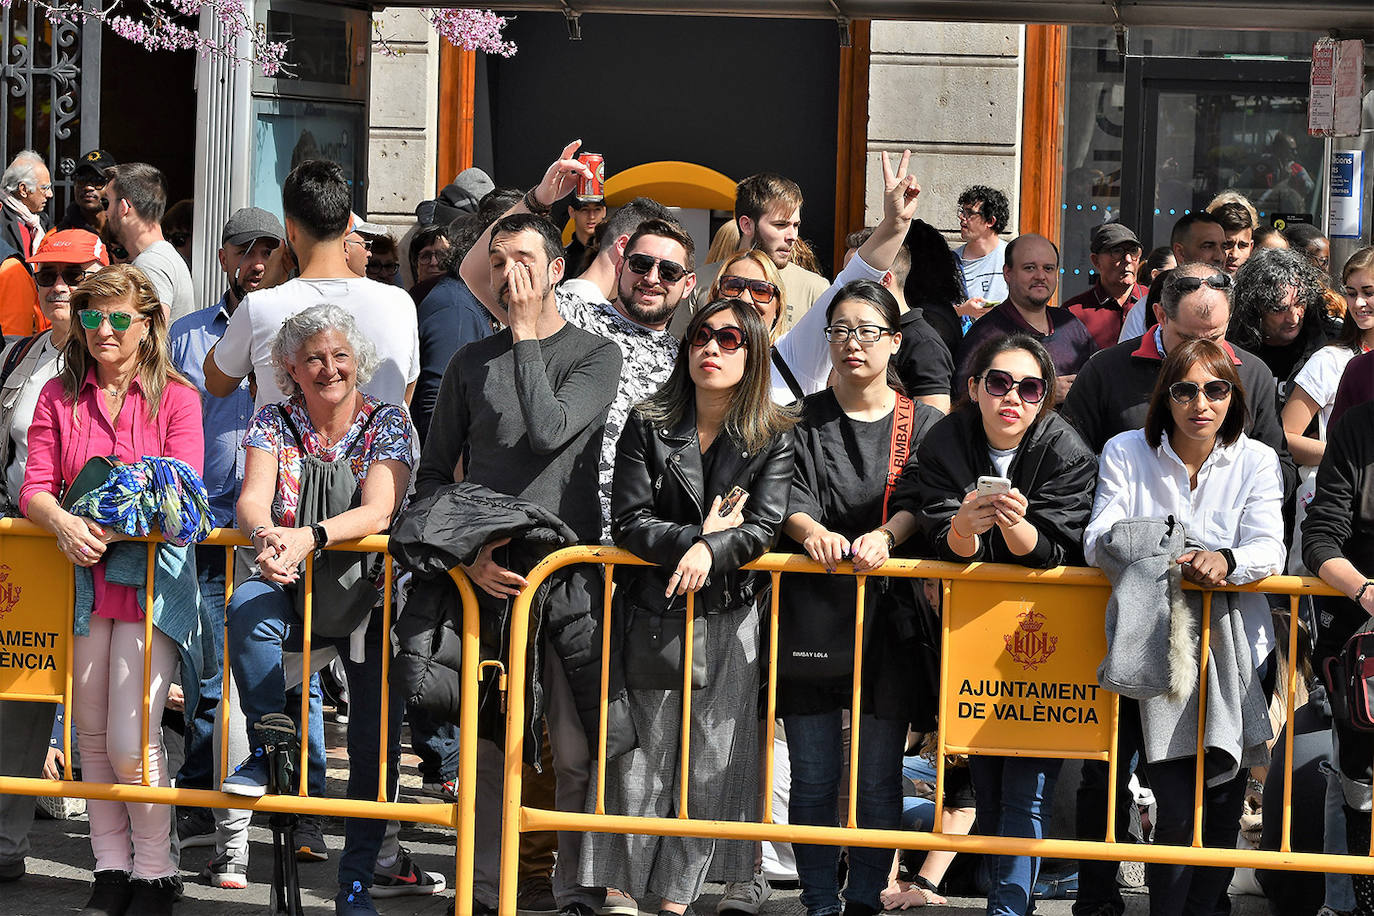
983 277
166 269
385 315
1320 376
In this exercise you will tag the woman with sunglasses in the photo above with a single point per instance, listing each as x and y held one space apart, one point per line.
1006 428
118 396
1194 463
712 427
752 277
1312 394
847 451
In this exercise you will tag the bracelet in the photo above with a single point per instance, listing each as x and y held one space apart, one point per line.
534 206
957 533
892 538
1360 593
256 532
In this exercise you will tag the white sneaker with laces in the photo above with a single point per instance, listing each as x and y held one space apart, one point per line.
745 896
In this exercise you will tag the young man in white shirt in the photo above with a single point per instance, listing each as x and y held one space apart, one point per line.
315 200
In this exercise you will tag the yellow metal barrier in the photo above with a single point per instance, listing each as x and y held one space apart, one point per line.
984 583
36 581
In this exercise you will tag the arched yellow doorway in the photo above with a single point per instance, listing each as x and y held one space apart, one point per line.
671 183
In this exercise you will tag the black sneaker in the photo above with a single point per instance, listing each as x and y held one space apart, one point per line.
309 840
353 900
195 827
110 894
404 878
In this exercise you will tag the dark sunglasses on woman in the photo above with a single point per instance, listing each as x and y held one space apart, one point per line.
1186 392
761 291
999 384
728 338
668 271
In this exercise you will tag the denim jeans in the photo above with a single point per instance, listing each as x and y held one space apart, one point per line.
198 768
436 744
262 625
815 745
1012 797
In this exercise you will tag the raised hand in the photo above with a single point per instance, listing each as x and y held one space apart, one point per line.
561 176
900 190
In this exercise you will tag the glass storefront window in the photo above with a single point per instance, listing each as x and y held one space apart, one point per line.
289 131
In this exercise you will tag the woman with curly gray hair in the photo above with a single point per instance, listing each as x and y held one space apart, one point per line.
1278 311
328 464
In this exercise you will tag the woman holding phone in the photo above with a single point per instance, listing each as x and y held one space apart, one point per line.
712 427
852 443
1031 511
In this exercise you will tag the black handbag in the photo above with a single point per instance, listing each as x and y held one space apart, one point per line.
652 652
92 476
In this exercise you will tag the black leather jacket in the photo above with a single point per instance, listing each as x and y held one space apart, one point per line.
660 498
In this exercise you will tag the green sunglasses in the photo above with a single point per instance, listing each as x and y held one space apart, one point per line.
91 319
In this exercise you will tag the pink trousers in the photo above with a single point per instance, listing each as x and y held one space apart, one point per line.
107 693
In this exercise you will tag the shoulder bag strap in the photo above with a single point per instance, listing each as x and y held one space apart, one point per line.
786 372
903 422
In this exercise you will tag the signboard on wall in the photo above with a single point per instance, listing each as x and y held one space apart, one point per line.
1347 194
34 623
1335 88
1026 677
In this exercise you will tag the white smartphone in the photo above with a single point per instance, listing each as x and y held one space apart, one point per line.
991 486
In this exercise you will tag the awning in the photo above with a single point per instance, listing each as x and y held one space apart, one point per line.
1316 15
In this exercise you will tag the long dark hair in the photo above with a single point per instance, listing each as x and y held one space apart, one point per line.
874 294
984 355
752 419
1212 357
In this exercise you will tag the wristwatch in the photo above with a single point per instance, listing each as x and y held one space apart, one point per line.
891 538
321 537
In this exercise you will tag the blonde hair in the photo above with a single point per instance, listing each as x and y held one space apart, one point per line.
770 273
121 283
1233 197
724 243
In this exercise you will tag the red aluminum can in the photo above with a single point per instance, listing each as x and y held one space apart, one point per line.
594 188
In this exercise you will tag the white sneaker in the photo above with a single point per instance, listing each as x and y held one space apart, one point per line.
745 896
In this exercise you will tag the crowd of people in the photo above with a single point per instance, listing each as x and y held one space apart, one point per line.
1171 422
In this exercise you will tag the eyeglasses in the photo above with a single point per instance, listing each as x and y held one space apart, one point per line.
71 276
1185 392
967 214
426 257
999 383
866 333
383 268
90 181
104 202
1185 285
91 319
367 245
668 271
761 291
729 338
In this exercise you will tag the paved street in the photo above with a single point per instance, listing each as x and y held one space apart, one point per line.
60 872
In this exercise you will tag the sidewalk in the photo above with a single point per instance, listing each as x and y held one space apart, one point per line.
59 872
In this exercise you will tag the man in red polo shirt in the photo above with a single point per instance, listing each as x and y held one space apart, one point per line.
1102 307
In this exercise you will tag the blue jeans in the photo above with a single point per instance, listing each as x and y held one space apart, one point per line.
263 624
1012 795
814 744
198 768
435 742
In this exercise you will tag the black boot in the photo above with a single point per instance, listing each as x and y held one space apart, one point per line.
154 897
110 894
1357 844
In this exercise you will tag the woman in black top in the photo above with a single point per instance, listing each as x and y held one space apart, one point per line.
838 510
1338 544
711 427
1006 428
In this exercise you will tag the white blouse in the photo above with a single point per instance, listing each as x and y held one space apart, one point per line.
1238 503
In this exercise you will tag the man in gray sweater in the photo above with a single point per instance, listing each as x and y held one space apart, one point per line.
524 412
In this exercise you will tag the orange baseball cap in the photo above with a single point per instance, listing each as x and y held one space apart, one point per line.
71 246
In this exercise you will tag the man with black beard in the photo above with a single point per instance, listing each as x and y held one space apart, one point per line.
652 277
